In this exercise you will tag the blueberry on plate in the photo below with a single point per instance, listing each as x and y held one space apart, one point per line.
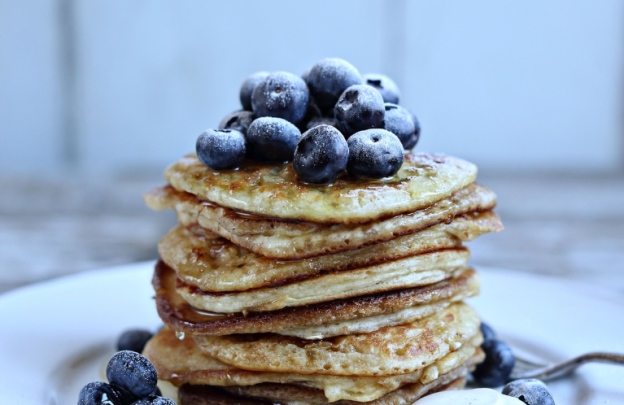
328 79
414 139
499 361
134 340
305 75
487 331
321 155
273 139
374 153
281 95
221 149
248 87
386 86
360 107
98 393
530 391
238 120
132 372
322 121
398 121
155 400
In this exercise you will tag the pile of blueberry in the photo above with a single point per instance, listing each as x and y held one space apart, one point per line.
132 377
497 367
349 122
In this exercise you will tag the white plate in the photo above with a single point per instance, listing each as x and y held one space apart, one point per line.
56 335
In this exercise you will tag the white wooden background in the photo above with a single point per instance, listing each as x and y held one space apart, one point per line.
97 96
117 86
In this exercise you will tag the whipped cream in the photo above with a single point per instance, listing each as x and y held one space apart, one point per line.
480 396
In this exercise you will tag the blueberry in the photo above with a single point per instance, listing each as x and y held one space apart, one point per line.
499 361
281 95
529 391
98 393
248 87
305 75
272 138
156 392
133 372
374 153
321 155
155 400
322 121
238 120
360 107
414 139
133 339
386 86
398 121
487 332
221 149
328 79
313 113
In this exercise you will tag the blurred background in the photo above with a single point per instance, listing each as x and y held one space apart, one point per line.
97 97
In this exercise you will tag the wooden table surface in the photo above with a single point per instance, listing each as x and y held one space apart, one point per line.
558 225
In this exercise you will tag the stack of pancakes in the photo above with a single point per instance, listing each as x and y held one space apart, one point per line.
278 291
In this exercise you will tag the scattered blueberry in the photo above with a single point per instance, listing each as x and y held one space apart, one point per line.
133 372
374 153
499 361
238 120
98 393
487 332
281 95
156 392
360 107
414 139
221 149
155 400
322 121
248 87
386 86
321 155
133 339
530 391
398 121
271 138
328 79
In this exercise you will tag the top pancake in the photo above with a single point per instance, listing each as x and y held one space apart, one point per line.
273 189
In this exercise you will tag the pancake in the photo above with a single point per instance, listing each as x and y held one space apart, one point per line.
392 350
290 240
214 264
299 395
273 189
182 362
408 272
313 321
